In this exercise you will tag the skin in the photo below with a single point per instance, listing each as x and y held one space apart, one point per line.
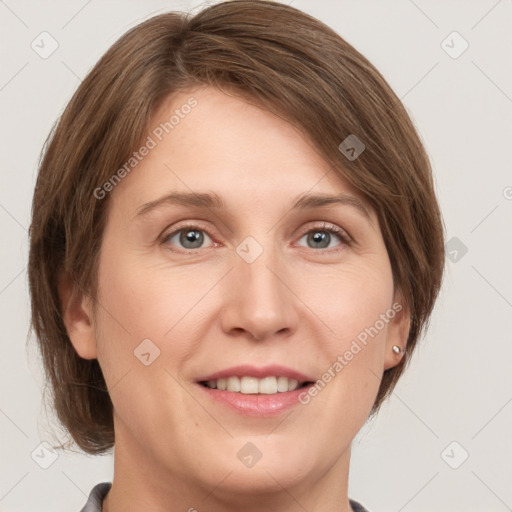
206 309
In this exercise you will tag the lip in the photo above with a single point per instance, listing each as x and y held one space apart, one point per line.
253 371
258 405
255 405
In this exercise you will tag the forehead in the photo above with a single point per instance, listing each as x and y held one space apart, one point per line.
204 140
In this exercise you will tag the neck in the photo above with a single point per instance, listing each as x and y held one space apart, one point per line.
141 483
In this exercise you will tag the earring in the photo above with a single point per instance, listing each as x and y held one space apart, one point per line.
397 349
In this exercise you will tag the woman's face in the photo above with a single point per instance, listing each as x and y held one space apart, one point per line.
218 265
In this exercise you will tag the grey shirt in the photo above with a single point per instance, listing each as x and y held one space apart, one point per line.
98 493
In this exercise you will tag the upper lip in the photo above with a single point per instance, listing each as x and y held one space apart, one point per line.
258 372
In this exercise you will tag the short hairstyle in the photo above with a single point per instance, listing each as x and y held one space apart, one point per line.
274 56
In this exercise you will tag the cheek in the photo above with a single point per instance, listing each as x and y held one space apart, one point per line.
351 300
141 302
147 299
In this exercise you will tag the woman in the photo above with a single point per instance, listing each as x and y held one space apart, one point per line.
235 247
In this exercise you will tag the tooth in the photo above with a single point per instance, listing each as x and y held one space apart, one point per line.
252 385
292 384
268 386
249 385
233 384
282 384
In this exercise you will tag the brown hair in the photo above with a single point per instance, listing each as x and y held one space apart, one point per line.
271 54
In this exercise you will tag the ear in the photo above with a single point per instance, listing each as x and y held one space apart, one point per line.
77 314
398 331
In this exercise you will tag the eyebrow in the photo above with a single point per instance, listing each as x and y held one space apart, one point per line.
214 201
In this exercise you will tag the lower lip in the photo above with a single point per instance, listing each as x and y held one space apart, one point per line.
256 405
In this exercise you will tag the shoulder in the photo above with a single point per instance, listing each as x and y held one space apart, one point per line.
357 507
98 493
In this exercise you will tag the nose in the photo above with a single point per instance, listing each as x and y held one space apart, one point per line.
260 303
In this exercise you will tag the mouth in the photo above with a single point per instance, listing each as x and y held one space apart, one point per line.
254 391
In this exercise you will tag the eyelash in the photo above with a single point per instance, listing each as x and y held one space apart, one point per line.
345 239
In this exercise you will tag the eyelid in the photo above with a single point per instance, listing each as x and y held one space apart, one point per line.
327 226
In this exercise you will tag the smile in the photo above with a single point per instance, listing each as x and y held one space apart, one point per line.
255 391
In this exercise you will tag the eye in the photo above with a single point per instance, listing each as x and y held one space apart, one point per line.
323 237
191 237
188 237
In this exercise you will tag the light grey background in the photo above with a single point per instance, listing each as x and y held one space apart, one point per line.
458 387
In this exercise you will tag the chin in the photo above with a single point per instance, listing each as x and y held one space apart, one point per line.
257 464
